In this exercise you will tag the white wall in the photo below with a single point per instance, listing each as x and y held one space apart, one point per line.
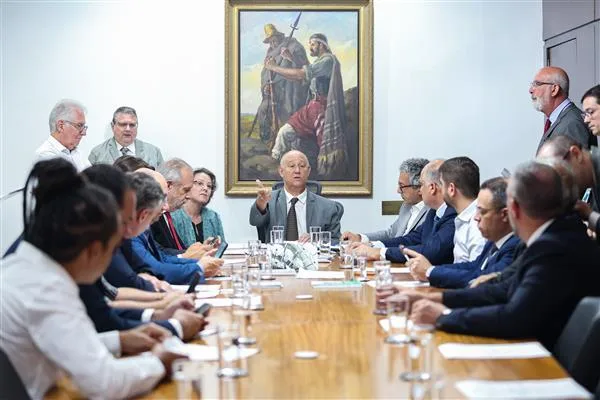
450 79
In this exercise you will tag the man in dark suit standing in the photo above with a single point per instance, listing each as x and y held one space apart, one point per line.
435 237
557 269
550 95
492 221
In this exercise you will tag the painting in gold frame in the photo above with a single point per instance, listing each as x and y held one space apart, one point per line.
299 75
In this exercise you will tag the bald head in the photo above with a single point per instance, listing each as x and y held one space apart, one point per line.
557 76
431 172
157 177
292 154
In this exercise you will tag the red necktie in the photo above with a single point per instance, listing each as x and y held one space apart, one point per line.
546 125
172 229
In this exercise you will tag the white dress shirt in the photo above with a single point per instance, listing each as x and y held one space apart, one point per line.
44 328
414 212
52 148
131 148
300 210
468 242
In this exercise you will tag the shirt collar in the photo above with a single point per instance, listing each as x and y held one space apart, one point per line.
417 207
131 147
500 243
301 197
441 210
468 213
538 232
554 115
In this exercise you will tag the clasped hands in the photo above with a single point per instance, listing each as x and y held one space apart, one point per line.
425 308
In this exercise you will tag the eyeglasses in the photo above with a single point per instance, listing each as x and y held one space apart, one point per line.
540 83
588 113
402 187
201 185
124 125
79 126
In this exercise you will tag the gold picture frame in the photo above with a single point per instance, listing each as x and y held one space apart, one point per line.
339 143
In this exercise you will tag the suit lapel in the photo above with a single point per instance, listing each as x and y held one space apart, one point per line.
112 149
420 217
282 207
547 135
310 209
139 149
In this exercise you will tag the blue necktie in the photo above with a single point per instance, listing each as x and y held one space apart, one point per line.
436 220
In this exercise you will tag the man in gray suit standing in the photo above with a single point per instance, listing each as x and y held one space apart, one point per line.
124 141
413 210
294 207
550 95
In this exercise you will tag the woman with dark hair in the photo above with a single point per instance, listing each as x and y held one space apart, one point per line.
71 228
131 164
195 222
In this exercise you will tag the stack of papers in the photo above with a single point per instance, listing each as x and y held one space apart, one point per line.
199 288
284 272
493 351
336 284
565 388
403 284
306 274
206 353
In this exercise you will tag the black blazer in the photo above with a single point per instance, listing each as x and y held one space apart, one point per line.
554 274
162 234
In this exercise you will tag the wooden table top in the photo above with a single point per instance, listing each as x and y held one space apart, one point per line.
354 361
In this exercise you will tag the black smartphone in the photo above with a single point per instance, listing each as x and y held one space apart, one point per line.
194 283
203 309
221 250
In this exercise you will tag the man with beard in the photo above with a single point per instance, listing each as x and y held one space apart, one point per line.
280 95
323 119
550 95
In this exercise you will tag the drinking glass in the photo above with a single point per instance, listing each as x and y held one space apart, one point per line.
277 236
239 280
344 247
382 282
398 312
346 261
187 374
325 243
253 246
315 235
419 360
361 266
229 352
264 263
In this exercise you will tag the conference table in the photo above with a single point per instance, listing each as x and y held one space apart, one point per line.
353 361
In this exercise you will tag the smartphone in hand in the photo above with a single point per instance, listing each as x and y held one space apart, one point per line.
203 309
194 283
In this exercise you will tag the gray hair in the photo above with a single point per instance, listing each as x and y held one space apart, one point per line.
432 171
171 169
497 186
567 177
123 110
148 191
413 167
64 109
560 77
537 188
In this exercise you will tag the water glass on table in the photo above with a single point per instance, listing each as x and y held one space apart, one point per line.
344 244
325 242
187 375
230 363
277 235
253 246
419 358
265 266
398 311
239 280
383 282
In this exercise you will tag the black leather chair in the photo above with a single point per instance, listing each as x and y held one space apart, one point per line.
597 396
11 386
578 347
313 186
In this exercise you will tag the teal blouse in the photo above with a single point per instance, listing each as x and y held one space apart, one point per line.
211 225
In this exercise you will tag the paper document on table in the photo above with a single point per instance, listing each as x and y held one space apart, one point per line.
306 274
220 302
565 388
207 295
398 270
229 261
336 285
283 272
404 284
493 351
234 252
206 353
199 288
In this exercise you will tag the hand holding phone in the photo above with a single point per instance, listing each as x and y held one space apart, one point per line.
203 309
194 283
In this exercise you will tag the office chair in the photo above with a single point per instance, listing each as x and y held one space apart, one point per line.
11 386
578 346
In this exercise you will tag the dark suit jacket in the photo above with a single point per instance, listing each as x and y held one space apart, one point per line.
434 242
120 274
460 274
143 254
106 318
570 123
162 235
555 273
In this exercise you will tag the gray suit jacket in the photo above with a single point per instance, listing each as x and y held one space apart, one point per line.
107 152
570 123
319 212
400 224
